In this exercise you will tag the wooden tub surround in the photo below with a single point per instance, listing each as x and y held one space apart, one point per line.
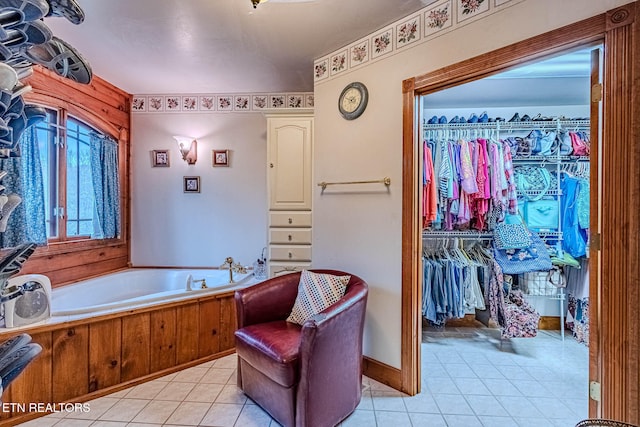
87 358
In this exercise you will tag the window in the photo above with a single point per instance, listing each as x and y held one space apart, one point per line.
65 146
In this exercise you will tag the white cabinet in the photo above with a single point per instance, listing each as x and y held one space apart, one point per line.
289 150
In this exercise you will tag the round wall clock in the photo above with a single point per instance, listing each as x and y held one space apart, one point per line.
353 100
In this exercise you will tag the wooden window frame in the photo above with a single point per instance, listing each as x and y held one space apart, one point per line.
107 108
614 350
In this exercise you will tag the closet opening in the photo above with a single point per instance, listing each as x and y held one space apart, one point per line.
507 198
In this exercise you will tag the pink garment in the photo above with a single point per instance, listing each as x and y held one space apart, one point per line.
430 190
467 173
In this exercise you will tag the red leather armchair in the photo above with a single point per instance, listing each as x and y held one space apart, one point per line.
304 376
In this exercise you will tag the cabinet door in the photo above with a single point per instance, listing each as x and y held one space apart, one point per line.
290 142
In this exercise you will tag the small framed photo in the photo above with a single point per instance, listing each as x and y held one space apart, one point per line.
220 157
160 158
191 184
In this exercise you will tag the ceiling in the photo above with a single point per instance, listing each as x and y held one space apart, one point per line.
220 46
560 80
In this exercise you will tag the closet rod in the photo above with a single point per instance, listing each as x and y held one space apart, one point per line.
386 181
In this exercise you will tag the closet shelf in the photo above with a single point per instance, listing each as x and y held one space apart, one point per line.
550 159
479 235
529 125
540 192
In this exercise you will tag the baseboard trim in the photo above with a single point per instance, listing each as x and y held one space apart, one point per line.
549 323
382 372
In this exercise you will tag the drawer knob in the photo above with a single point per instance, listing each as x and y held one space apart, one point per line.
290 221
290 237
290 255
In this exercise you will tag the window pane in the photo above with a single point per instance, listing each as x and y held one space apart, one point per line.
80 200
46 133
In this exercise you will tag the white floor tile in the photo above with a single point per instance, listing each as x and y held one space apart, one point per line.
486 405
221 415
383 401
423 402
189 413
175 391
491 421
191 375
204 393
486 371
501 387
40 422
366 402
156 412
110 424
453 404
392 419
124 410
359 418
552 407
459 370
253 416
231 394
471 386
519 407
441 386
217 375
431 420
97 407
462 421
147 390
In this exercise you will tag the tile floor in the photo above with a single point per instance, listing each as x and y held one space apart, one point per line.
469 378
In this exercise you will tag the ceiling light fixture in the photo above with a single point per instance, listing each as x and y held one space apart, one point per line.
255 3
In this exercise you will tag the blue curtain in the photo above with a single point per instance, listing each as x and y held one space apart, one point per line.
106 186
24 178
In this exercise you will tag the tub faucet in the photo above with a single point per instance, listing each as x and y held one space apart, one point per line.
191 281
233 267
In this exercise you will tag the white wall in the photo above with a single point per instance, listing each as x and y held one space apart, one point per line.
361 233
227 218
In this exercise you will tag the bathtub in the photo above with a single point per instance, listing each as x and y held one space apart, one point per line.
138 287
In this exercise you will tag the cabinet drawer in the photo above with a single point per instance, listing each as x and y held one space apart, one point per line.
290 253
279 269
290 236
290 219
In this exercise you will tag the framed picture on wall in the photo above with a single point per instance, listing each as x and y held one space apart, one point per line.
191 184
220 157
160 158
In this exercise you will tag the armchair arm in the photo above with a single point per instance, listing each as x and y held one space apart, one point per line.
331 358
267 301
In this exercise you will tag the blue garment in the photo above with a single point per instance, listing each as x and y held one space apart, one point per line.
574 239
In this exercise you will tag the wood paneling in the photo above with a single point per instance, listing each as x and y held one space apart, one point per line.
163 339
105 340
88 358
209 341
619 325
136 354
187 319
34 384
227 323
70 360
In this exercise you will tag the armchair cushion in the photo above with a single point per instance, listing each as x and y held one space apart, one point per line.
272 348
316 291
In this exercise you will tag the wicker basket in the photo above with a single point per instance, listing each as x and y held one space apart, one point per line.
603 423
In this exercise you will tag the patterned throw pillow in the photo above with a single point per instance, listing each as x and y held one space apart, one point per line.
315 293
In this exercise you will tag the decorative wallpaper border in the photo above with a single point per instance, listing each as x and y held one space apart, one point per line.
430 22
220 102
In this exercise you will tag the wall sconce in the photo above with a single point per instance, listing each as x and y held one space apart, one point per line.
188 148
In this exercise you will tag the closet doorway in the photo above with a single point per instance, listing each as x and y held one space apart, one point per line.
514 147
614 359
